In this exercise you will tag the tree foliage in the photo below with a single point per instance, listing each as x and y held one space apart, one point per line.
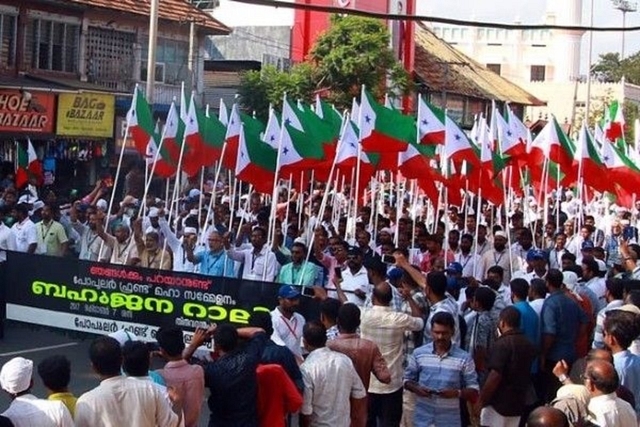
352 52
610 68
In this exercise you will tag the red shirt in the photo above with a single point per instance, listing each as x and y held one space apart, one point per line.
277 396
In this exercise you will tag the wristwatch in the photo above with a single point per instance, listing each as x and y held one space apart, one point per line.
562 378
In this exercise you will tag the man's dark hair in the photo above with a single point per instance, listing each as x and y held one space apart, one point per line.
348 318
225 338
261 319
329 308
55 372
315 334
510 316
623 325
555 278
135 358
383 293
437 283
568 256
615 288
261 231
633 297
106 356
520 288
171 340
444 318
485 297
300 246
539 287
496 269
492 283
576 269
591 264
466 236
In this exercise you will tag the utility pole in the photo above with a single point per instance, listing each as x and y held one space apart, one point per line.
151 58
624 6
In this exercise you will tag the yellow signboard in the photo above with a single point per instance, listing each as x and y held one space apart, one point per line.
86 115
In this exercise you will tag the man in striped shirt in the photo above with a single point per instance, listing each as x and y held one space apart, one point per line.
440 374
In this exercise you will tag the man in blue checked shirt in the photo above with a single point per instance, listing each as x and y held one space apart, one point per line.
440 374
215 261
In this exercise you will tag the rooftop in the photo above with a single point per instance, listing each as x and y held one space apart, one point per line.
441 67
170 10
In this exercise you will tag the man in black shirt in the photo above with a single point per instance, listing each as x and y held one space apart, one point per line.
231 377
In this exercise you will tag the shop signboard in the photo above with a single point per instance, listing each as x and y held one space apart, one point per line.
26 111
86 115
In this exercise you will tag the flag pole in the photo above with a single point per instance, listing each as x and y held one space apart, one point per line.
414 208
233 186
475 249
359 153
399 205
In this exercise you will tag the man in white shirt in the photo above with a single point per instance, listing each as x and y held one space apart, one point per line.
5 236
24 234
608 410
330 381
189 237
26 410
259 261
355 280
119 401
287 324
119 248
467 259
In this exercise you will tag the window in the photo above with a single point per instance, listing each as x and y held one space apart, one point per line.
159 72
538 73
496 68
173 55
54 45
8 35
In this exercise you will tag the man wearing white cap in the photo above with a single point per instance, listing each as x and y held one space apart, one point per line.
26 410
179 246
152 220
499 255
119 248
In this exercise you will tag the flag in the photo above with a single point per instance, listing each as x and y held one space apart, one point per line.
347 157
27 165
172 135
553 144
301 144
457 146
232 138
196 152
513 135
382 129
329 115
483 177
415 165
620 169
589 162
140 121
213 136
272 132
256 160
614 122
431 123
223 113
165 167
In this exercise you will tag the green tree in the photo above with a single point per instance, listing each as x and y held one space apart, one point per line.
352 52
610 68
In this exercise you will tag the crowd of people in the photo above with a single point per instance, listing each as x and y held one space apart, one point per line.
427 317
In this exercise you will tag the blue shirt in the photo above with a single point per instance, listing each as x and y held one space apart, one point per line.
562 317
454 370
627 365
214 264
529 326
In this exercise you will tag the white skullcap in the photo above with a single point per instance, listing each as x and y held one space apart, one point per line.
631 308
16 374
123 337
153 212
500 233
194 192
570 280
39 204
189 230
151 230
386 230
102 205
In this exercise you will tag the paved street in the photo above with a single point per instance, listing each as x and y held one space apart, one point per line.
36 343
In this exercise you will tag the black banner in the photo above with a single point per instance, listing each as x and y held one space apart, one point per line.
103 298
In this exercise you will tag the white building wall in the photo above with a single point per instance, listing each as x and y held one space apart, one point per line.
235 14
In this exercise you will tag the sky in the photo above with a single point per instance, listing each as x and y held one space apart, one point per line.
533 11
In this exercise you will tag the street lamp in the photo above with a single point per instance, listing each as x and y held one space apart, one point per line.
624 6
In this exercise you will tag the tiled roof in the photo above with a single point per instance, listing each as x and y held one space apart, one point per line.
443 68
170 10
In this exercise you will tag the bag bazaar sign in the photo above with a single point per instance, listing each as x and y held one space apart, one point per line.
104 298
86 115
25 111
